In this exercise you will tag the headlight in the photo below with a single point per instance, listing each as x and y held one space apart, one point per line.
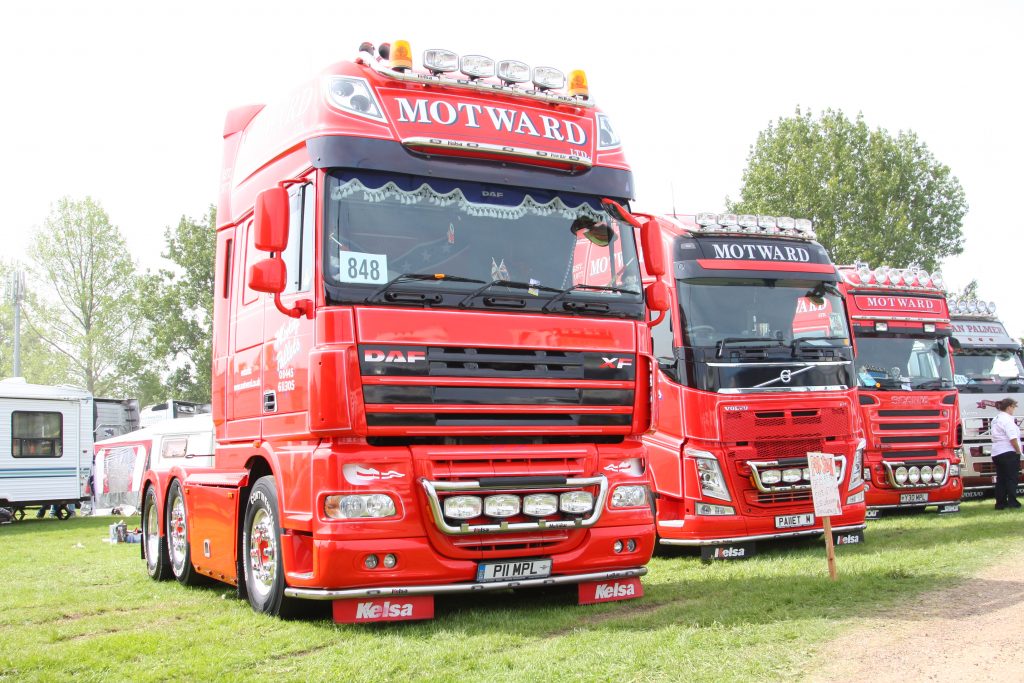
857 468
712 483
791 476
540 504
900 475
938 472
359 506
714 510
954 470
501 505
629 496
576 502
914 474
855 498
463 507
771 477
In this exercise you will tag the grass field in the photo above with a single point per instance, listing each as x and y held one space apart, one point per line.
74 607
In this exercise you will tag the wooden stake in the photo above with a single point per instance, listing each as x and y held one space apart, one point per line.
830 549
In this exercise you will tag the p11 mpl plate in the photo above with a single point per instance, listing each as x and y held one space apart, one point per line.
512 571
793 521
913 497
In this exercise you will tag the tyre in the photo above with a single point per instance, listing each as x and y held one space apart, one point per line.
63 512
179 553
261 553
154 549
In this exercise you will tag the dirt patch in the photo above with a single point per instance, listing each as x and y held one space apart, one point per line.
973 631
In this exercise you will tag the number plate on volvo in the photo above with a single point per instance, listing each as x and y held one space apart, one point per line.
512 571
913 497
793 521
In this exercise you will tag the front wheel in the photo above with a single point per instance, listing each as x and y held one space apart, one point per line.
176 517
158 566
261 552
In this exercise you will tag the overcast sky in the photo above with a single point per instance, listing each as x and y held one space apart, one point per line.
125 101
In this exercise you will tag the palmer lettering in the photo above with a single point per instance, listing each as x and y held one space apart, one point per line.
442 112
761 252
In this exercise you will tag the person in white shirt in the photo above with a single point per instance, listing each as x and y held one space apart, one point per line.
1006 454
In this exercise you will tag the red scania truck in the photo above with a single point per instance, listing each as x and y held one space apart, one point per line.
754 370
908 402
988 368
428 326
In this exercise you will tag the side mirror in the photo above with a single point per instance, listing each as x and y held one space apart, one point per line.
268 276
270 220
657 296
654 248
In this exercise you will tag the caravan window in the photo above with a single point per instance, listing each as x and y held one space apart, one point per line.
37 434
173 448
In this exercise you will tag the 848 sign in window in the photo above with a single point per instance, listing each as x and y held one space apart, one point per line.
363 268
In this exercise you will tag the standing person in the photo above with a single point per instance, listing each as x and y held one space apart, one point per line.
1006 454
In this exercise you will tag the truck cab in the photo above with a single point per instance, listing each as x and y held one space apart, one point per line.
905 388
754 370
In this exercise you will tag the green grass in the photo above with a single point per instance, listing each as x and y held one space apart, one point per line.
72 606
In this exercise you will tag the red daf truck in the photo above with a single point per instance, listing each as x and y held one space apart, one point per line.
426 356
754 370
988 368
908 402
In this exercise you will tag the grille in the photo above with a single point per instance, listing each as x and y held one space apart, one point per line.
778 498
796 448
985 467
785 424
512 542
475 466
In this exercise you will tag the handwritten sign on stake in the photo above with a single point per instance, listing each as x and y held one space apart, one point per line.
825 492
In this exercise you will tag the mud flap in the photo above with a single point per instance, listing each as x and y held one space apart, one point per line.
734 551
948 508
848 537
366 610
977 494
607 591
873 513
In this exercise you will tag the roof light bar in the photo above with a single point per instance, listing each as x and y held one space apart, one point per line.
883 276
973 307
750 224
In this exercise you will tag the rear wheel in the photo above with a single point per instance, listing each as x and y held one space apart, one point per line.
158 566
261 552
180 554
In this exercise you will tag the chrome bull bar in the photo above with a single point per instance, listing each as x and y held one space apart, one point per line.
519 484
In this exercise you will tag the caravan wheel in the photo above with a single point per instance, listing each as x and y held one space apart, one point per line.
155 550
176 517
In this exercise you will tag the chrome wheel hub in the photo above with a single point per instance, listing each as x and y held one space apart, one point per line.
152 537
262 553
178 534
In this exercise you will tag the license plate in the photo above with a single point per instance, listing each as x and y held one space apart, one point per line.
513 571
913 497
793 521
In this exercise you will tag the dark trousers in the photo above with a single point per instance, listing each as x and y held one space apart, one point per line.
1007 473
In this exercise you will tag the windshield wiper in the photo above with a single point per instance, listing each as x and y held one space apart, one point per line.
562 293
799 341
722 343
1008 380
940 383
511 284
417 277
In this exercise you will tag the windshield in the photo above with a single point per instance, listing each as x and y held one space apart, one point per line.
993 367
761 312
398 239
896 363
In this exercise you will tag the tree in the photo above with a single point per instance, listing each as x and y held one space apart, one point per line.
92 317
873 197
181 308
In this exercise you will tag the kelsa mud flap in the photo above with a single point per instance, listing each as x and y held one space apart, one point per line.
735 551
606 591
367 610
848 537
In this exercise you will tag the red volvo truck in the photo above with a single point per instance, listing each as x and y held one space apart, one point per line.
754 370
427 330
988 368
908 402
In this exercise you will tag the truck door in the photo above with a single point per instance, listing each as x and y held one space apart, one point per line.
244 383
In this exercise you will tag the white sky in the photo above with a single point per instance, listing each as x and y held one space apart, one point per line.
125 101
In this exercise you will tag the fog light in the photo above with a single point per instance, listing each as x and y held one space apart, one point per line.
938 472
900 475
714 510
576 502
617 546
501 505
791 476
370 562
463 507
390 561
771 477
914 475
926 474
629 496
540 504
630 545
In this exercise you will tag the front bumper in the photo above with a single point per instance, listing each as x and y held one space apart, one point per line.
450 588
809 531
